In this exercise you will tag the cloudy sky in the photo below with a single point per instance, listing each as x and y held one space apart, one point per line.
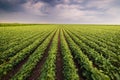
60 11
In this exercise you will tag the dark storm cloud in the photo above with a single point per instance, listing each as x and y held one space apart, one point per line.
52 2
15 5
11 5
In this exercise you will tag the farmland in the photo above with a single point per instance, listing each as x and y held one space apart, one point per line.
59 52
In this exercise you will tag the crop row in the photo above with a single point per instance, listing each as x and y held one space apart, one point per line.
103 51
88 71
97 59
34 58
103 44
18 41
70 72
6 55
5 67
48 68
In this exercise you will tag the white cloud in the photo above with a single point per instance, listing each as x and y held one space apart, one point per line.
35 9
77 13
99 3
76 1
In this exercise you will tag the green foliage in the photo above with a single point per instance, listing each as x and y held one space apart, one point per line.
5 67
69 70
34 58
48 69
88 70
96 48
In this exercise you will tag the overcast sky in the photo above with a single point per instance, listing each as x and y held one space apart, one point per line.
60 11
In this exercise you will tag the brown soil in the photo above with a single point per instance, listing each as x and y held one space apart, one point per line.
59 62
36 71
79 70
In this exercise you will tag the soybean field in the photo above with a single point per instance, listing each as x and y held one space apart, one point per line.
59 52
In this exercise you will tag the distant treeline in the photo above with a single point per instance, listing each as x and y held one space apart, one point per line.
17 24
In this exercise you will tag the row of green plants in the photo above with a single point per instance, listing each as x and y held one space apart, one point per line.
110 36
34 58
49 67
99 60
69 69
113 58
113 49
11 34
6 55
101 42
88 70
14 35
101 36
18 40
7 66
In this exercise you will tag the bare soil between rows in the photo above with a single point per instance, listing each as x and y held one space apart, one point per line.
59 62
